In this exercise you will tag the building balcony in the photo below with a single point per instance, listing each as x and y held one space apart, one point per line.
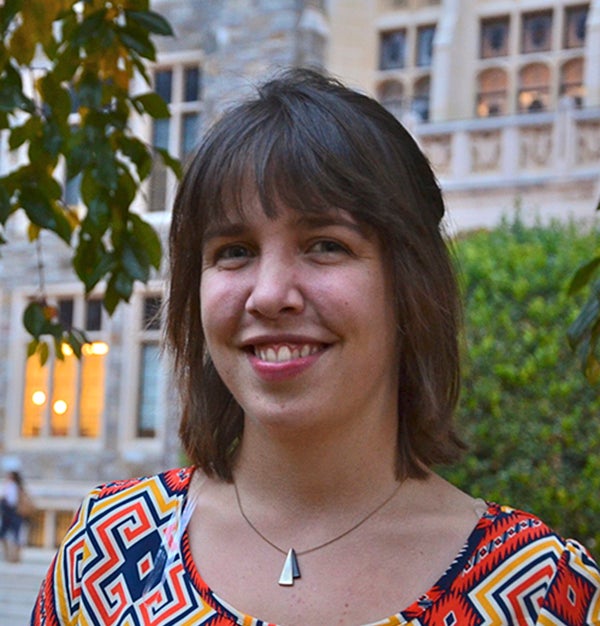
513 150
501 160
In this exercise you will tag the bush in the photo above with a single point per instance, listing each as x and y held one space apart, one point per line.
531 419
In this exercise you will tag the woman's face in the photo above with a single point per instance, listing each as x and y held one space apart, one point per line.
299 320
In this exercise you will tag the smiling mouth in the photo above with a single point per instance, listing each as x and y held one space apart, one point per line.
285 352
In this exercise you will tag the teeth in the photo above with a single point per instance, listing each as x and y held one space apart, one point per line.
284 353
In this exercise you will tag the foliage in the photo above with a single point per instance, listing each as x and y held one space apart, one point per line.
584 332
65 71
531 420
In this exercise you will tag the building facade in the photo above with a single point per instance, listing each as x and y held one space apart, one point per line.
503 95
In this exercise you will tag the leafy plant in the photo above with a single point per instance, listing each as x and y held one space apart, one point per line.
584 332
530 418
65 72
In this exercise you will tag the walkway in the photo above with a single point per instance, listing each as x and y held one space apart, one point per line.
19 584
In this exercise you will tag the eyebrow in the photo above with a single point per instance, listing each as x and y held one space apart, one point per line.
304 220
224 229
331 218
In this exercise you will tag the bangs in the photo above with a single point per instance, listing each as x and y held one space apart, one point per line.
305 162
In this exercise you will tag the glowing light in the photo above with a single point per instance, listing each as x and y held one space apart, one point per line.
38 398
60 407
96 348
66 349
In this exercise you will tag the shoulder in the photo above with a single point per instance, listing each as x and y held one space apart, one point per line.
515 569
153 497
503 532
118 530
514 549
173 481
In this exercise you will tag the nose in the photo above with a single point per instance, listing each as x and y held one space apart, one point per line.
275 288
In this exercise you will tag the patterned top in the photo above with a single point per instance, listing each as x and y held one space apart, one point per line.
126 561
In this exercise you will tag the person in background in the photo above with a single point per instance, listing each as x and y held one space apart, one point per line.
12 524
313 315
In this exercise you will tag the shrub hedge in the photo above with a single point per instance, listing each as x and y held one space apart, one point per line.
529 416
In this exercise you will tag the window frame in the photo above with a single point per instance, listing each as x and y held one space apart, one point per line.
17 378
180 109
569 11
136 338
527 16
486 23
385 63
420 30
483 98
542 92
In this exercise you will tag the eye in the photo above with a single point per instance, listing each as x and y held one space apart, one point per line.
234 251
328 246
228 256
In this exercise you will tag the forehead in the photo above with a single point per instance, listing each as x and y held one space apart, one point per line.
232 220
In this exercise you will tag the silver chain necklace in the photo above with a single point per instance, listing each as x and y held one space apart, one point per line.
291 568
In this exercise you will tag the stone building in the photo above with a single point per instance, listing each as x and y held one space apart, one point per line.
503 95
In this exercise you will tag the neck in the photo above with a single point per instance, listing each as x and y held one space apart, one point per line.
315 472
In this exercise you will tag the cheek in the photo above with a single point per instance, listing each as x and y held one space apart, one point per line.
221 305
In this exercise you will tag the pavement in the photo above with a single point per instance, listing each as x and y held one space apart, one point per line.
19 585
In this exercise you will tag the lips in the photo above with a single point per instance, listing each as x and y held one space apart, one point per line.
282 353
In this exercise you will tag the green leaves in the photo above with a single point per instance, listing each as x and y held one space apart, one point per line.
530 418
150 21
11 91
39 320
584 332
42 211
152 104
583 276
75 126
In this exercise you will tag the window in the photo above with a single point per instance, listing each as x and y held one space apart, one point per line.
492 87
420 103
150 372
425 35
571 81
534 88
392 50
71 192
181 87
494 37
391 96
575 21
191 84
537 32
163 84
65 397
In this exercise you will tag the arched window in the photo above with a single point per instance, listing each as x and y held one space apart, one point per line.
420 101
534 88
492 86
391 95
571 81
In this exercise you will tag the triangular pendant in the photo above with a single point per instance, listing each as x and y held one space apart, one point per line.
290 569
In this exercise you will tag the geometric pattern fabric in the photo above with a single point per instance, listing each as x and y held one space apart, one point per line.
126 561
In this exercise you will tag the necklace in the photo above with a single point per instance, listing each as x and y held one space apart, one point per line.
291 568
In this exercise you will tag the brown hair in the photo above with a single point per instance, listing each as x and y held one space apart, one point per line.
310 143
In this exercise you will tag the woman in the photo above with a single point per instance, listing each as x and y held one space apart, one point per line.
12 520
313 316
